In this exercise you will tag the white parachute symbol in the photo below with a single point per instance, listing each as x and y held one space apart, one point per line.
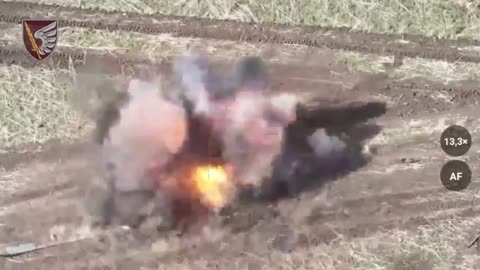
48 36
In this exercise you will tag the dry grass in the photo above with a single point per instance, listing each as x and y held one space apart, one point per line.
401 134
413 68
50 99
466 4
158 46
440 18
440 246
161 46
35 107
409 131
153 46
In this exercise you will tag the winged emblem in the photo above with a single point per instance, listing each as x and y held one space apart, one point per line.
40 37
48 36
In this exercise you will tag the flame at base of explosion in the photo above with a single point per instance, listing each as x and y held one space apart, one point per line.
213 185
210 184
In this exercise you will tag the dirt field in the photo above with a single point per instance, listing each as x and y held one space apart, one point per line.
390 213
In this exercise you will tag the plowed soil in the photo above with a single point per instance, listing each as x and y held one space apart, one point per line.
399 188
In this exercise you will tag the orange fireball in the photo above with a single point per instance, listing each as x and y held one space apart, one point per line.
212 184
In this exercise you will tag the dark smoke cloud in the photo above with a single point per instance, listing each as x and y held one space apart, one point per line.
325 146
192 74
249 123
269 141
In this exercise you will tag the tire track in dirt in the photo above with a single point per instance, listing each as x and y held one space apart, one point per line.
51 151
70 187
138 252
323 233
16 6
395 197
387 205
405 213
394 209
413 97
36 194
365 229
313 236
110 63
469 90
440 49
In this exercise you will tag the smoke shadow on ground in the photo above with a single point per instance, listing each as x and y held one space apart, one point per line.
341 132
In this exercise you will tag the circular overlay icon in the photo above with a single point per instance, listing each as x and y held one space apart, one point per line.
456 175
456 141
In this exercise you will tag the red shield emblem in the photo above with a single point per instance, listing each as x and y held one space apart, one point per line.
40 37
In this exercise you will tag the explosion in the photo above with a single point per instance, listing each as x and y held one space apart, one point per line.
212 185
159 143
163 132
